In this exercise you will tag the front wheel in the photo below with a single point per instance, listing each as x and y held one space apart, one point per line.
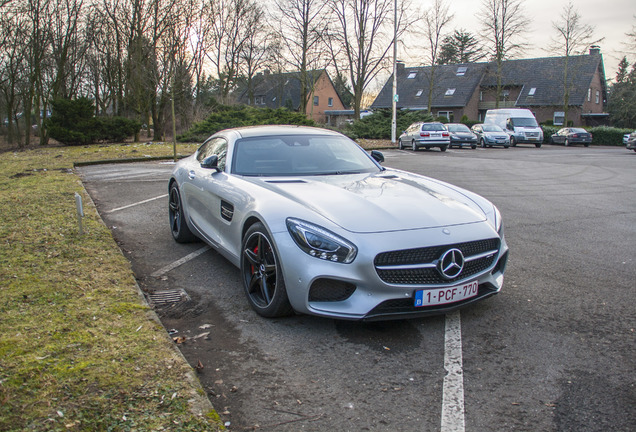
413 145
180 231
262 277
538 145
400 146
513 142
567 143
473 146
483 143
442 148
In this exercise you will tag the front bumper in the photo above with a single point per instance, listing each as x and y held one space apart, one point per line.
364 294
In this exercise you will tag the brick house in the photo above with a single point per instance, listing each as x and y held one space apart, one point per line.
278 90
535 84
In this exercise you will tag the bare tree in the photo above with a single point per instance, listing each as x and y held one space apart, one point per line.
362 31
504 23
572 37
436 18
256 52
302 27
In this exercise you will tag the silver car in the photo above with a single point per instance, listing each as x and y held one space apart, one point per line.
425 135
317 226
491 135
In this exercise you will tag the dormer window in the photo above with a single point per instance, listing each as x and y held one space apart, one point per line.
449 92
412 75
461 71
532 91
419 93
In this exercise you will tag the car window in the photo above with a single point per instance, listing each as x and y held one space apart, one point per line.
578 130
299 155
492 128
433 127
213 146
458 128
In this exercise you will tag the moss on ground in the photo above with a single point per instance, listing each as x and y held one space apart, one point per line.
79 349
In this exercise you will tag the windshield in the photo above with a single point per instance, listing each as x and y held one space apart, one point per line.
299 156
492 128
458 128
578 130
524 122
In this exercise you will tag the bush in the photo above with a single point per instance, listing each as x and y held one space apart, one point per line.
72 122
225 117
378 124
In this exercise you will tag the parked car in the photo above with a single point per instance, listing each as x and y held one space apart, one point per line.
425 135
461 135
568 136
631 141
491 135
626 138
317 226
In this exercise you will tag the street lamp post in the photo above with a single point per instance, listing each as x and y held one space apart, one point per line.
395 95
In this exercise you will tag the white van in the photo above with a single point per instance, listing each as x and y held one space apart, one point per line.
519 124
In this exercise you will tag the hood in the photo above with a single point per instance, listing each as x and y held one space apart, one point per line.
388 201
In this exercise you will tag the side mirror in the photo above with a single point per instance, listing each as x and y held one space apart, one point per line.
211 162
377 155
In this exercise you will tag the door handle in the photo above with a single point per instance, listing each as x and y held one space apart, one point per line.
191 174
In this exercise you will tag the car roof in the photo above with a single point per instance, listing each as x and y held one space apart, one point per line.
255 131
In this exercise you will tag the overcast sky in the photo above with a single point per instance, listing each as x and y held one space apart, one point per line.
611 19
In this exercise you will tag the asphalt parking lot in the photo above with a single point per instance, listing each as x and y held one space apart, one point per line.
554 351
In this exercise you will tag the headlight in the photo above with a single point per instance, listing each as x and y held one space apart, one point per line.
499 222
321 243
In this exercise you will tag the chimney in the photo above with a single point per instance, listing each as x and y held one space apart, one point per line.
400 67
595 50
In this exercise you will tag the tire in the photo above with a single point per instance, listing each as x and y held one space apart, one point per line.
506 146
513 141
474 146
442 148
413 146
551 140
483 143
178 226
400 146
566 143
586 144
261 273
538 145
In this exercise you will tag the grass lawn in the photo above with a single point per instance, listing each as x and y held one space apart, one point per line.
79 348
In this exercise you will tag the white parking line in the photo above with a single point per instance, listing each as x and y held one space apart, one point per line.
453 392
181 261
136 204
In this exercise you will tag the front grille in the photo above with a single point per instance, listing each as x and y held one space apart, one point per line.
428 257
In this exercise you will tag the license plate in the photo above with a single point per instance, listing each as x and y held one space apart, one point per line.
440 296
500 141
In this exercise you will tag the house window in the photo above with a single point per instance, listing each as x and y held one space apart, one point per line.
598 96
532 91
589 95
447 114
315 100
481 96
559 118
504 95
461 71
412 75
450 92
419 93
259 100
330 102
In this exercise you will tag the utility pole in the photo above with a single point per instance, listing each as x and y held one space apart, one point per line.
395 95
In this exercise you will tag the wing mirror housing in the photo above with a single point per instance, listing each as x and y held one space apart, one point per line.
377 156
211 162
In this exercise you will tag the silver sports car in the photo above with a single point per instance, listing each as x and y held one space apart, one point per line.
317 226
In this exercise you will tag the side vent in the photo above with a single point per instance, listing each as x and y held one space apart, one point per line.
227 211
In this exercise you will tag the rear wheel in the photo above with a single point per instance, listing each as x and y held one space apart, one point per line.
413 145
400 146
474 146
180 231
443 148
513 141
262 277
567 143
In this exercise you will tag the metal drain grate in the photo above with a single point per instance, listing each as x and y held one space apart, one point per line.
168 296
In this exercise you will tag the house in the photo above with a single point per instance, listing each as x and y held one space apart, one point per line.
536 84
278 90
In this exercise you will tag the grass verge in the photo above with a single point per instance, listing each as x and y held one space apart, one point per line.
79 349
